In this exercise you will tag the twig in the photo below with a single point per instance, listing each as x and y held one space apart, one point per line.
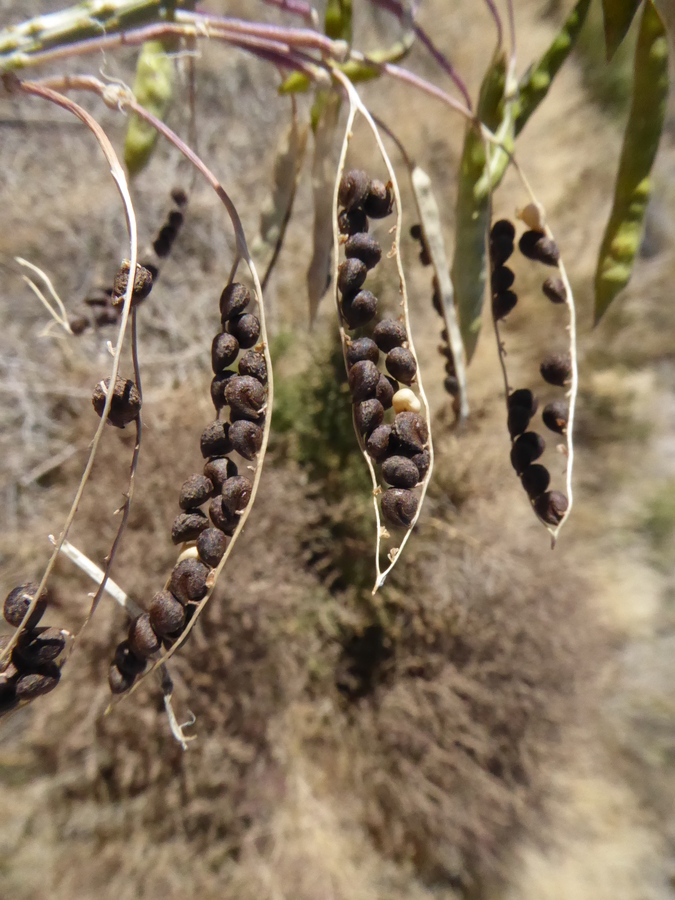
61 319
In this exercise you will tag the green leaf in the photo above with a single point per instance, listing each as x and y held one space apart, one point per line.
153 89
338 21
623 234
618 15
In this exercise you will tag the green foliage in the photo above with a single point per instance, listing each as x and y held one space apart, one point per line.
659 519
617 16
153 89
609 84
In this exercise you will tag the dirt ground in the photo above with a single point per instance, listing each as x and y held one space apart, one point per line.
499 722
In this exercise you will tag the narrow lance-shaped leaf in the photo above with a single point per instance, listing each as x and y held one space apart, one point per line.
338 20
617 15
153 89
641 140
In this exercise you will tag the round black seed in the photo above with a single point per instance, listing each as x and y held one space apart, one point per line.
378 443
401 365
353 189
524 397
164 241
234 300
142 284
166 613
127 661
253 364
451 385
386 388
401 472
188 581
555 416
35 685
422 461
351 275
79 324
125 405
362 349
555 290
142 639
389 334
551 507
245 396
379 201
502 229
501 249
38 648
236 493
218 385
187 526
175 219
535 245
365 248
535 479
517 420
503 303
246 329
526 449
556 369
353 221
224 351
195 491
221 516
18 601
118 681
247 438
179 196
360 309
215 440
218 471
368 415
211 545
410 433
363 378
502 279
398 507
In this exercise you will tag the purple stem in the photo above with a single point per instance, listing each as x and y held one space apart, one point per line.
498 22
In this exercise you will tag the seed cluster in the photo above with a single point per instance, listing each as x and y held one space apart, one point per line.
32 668
220 485
528 446
400 447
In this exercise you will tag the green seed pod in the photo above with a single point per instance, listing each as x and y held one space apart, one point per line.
127 661
360 309
386 388
28 687
389 334
401 365
188 581
236 494
153 88
19 600
503 304
187 526
555 416
362 349
400 472
221 516
224 351
253 365
535 479
142 284
38 648
218 385
218 471
526 449
234 300
410 433
215 440
125 405
535 245
353 221
379 201
247 438
363 378
194 492
354 187
118 681
246 329
211 546
166 614
398 507
379 443
554 288
365 248
502 279
551 507
351 275
142 639
557 369
368 415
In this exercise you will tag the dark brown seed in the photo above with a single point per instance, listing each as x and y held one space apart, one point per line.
378 443
389 334
245 396
517 420
142 639
362 349
215 440
118 681
398 507
79 324
246 329
555 416
351 275
502 279
125 405
363 378
353 221
164 240
37 648
501 249
187 526
179 196
379 201
354 187
416 232
401 472
107 317
524 397
526 449
175 219
35 685
410 433
127 661
535 245
18 601
236 493
556 369
142 284
386 388
218 385
436 299
422 461
218 471
253 364
221 516
555 290
368 415
551 507
359 310
451 385
211 545
502 229
224 351
503 304
166 613
188 581
535 479
247 438
401 365
365 248
234 300
195 491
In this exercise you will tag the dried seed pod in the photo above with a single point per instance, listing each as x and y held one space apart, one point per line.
555 416
245 396
535 245
253 364
215 440
187 526
142 639
365 248
526 449
502 229
353 221
142 284
38 648
353 189
389 334
246 329
224 351
401 365
211 545
406 401
535 479
379 201
166 613
118 681
410 433
247 438
400 472
195 491
218 471
28 687
126 401
236 493
128 662
379 443
422 461
221 516
234 300
557 369
351 275
551 507
18 601
218 385
362 349
188 581
368 415
502 279
360 309
524 397
399 507
363 378
502 304
386 389
554 288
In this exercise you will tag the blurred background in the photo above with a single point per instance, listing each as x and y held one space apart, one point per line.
498 722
